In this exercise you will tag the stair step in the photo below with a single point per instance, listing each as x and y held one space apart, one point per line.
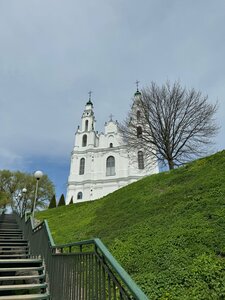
21 277
2 221
12 227
14 269
13 231
4 242
8 221
26 297
19 261
22 287
10 233
10 242
10 238
10 230
19 250
9 256
5 223
13 247
9 226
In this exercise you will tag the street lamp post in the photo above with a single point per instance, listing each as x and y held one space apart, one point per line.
24 205
20 199
20 203
37 175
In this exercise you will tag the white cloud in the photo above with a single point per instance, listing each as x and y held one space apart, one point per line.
10 160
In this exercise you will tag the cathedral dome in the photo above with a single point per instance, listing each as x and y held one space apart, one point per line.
137 93
89 102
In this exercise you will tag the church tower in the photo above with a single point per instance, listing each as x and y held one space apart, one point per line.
86 135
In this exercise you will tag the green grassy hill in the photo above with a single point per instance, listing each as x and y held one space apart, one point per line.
167 230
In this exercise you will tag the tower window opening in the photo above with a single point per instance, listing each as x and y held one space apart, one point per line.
138 115
86 125
110 166
139 132
111 145
82 166
141 160
84 140
79 196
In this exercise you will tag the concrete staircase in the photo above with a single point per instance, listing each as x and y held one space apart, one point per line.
21 277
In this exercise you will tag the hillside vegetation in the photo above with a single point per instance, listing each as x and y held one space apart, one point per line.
167 230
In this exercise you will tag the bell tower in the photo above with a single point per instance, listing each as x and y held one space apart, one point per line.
88 118
86 136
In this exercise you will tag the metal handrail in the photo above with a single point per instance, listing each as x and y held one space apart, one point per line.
99 246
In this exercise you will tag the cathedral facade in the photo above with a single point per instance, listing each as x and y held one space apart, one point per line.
101 162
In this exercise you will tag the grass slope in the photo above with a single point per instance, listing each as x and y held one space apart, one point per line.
167 230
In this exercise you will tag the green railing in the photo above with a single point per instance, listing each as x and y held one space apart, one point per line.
83 270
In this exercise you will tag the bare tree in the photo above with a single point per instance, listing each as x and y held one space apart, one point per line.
170 123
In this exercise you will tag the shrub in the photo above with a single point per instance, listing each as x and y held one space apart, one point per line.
52 203
71 200
62 201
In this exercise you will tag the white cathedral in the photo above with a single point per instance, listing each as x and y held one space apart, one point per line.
101 162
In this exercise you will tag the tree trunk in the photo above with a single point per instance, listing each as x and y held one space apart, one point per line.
171 164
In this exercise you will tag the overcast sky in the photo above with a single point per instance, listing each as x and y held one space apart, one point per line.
53 52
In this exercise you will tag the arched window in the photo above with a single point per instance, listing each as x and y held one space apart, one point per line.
86 125
79 196
82 166
139 132
110 166
111 145
138 115
140 160
84 141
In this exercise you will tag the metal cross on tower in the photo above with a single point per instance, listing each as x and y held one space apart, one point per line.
111 117
137 84
89 93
